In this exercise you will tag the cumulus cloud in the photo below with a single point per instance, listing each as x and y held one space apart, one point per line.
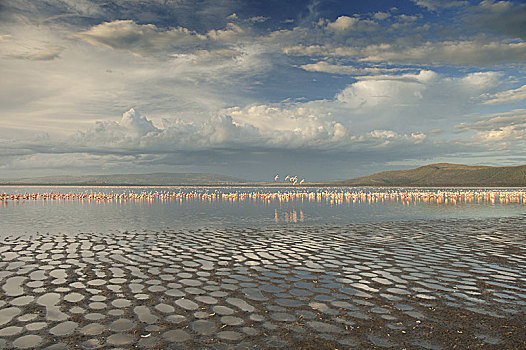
354 117
379 90
292 126
136 133
342 23
392 79
410 102
258 128
255 126
131 127
407 89
321 125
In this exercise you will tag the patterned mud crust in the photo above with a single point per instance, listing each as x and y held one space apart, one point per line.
438 284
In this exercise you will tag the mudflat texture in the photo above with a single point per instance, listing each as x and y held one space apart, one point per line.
437 284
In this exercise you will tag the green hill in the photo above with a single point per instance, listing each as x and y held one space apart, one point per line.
156 179
444 174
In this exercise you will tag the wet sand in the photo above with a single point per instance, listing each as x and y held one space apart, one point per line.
435 284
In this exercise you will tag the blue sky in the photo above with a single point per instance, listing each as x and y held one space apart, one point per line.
319 89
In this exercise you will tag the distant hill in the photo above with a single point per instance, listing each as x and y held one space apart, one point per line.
155 179
444 174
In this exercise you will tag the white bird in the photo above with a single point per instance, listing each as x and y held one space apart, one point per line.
287 178
302 181
276 177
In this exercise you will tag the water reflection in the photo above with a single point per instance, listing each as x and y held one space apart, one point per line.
289 216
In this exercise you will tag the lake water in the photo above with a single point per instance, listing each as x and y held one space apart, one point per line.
191 207
265 268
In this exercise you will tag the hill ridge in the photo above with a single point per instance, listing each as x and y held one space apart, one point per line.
445 174
154 179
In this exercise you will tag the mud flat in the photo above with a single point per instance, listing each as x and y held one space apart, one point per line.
435 284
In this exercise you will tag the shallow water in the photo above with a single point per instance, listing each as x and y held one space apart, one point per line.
30 216
289 272
424 284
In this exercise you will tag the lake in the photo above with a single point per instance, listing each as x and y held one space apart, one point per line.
157 208
264 268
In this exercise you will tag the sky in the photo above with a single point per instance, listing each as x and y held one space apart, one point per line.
324 90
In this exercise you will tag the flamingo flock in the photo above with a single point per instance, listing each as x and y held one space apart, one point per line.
330 196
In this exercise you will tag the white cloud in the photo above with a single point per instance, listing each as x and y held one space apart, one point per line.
389 136
69 73
381 15
84 82
344 26
451 52
145 39
136 133
136 124
82 7
505 133
30 43
502 17
383 104
434 5
407 18
376 115
291 126
126 34
231 32
326 67
454 52
342 23
258 19
501 128
387 90
5 38
507 96
410 102
258 127
254 126
44 54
